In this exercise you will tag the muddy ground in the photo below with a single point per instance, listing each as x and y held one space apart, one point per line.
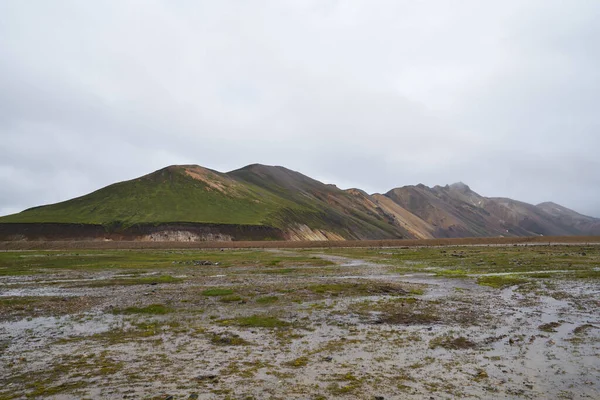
376 323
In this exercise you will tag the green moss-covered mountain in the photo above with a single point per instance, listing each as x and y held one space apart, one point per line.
298 206
189 202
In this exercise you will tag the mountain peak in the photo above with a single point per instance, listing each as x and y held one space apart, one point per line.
549 204
262 167
460 186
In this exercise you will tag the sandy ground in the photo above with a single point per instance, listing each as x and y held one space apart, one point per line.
352 329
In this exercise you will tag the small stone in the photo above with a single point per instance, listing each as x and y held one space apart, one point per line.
379 398
210 378
481 375
193 396
328 359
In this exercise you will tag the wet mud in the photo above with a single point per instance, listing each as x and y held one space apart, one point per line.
357 328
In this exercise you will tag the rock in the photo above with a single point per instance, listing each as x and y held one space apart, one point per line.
193 396
481 375
328 359
169 398
379 398
202 262
208 378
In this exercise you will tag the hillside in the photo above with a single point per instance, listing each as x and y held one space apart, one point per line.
565 216
189 202
296 205
172 194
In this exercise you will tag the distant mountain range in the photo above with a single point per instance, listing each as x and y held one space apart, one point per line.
259 202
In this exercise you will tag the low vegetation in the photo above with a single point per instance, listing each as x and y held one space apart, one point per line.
452 343
375 322
153 309
255 321
217 292
500 281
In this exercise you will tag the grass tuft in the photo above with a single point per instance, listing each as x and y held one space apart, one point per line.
500 281
452 343
217 292
267 300
256 321
153 309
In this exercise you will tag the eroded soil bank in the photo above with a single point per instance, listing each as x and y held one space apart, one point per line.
391 323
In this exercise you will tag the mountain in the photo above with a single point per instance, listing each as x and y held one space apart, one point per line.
565 216
260 202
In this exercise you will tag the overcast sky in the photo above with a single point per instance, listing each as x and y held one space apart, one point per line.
502 95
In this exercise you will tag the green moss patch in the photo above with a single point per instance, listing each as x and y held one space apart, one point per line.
217 292
500 281
267 300
255 321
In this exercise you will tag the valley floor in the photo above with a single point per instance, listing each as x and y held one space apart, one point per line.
480 322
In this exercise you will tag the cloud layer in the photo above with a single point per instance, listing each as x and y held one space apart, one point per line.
373 94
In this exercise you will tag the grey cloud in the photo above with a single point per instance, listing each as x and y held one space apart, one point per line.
501 95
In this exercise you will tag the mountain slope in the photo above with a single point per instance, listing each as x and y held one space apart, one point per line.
457 211
317 205
452 211
300 207
172 194
565 216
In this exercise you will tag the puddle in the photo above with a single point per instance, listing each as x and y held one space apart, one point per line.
31 333
37 292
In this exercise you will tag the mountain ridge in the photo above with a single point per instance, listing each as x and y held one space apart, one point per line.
287 205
